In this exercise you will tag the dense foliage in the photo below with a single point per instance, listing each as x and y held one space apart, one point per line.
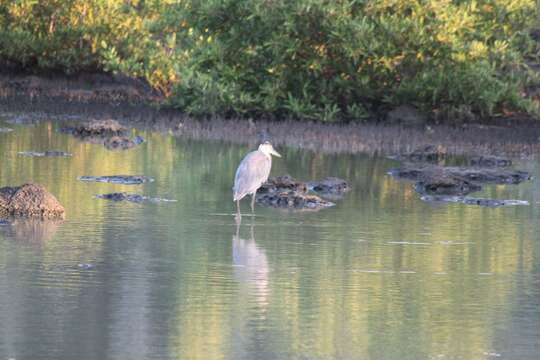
311 59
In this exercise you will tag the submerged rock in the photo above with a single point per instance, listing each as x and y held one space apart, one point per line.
96 128
107 132
5 130
330 185
445 184
494 176
436 154
473 201
407 173
122 196
48 153
490 161
429 153
437 180
122 142
29 200
118 179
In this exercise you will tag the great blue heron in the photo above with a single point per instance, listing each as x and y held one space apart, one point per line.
252 172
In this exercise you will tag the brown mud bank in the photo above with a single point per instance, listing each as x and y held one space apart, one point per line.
26 99
84 88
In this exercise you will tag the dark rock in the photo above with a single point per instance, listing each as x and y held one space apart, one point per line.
292 199
281 183
131 197
330 185
118 179
429 153
407 173
495 176
97 128
473 201
48 153
122 142
121 197
406 115
446 185
286 192
107 132
479 175
56 153
490 161
437 180
29 200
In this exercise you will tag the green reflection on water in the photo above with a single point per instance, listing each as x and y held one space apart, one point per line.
380 276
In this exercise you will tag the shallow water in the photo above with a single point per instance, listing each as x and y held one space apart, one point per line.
382 275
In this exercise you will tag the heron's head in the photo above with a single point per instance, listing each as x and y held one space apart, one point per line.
268 149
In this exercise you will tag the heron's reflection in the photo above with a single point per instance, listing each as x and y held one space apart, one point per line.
251 266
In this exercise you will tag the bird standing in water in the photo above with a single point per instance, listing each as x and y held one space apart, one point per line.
252 172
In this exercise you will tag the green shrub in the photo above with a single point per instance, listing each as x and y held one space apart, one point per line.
54 34
309 59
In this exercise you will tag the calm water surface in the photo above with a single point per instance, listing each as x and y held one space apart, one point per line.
382 275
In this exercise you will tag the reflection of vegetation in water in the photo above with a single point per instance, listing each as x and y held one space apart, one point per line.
336 285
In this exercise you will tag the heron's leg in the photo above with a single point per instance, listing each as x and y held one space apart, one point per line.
253 201
238 216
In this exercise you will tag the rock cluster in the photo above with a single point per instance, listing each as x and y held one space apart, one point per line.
96 128
29 200
286 192
439 180
293 199
451 183
109 132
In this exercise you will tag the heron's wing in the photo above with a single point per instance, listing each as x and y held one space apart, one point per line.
251 173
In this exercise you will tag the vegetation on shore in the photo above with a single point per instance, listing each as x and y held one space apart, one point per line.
308 59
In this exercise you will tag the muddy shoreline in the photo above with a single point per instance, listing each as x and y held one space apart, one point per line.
101 96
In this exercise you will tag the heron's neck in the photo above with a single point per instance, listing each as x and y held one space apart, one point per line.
267 155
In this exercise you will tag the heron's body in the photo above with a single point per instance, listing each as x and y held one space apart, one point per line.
252 172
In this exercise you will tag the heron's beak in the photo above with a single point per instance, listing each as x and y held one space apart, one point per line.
274 152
